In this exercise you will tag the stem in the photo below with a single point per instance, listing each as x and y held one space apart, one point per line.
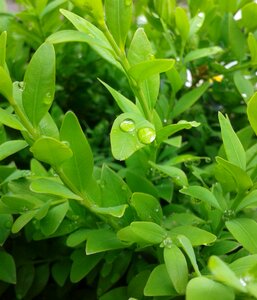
121 57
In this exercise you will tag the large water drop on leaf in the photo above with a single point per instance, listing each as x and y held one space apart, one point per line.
146 135
127 125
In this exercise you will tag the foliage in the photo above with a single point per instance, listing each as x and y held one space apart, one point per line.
167 209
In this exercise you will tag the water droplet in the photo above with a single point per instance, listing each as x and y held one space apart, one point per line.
244 95
146 135
228 214
167 242
66 143
157 210
48 98
165 121
21 86
127 125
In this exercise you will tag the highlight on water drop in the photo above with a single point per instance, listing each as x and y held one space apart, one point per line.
128 125
146 135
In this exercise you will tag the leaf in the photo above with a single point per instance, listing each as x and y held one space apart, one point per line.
5 85
202 194
252 112
116 293
248 200
51 151
23 220
196 235
146 69
249 12
196 23
159 283
21 202
61 271
147 207
96 38
237 39
188 99
39 84
129 133
10 120
115 211
82 264
202 288
176 265
203 52
6 221
149 232
77 237
118 18
3 38
171 129
101 240
241 265
182 23
94 8
223 273
233 147
10 147
124 104
178 176
187 247
7 270
140 50
252 44
52 187
242 179
25 277
244 231
243 85
53 219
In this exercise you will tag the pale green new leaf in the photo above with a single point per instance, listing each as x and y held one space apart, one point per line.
10 147
248 200
188 99
118 15
182 23
3 38
234 149
39 83
146 69
196 23
176 265
6 85
252 112
202 288
252 44
10 120
203 52
23 220
244 231
51 151
115 211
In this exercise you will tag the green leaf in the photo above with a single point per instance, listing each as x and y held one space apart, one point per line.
116 293
39 83
140 50
188 99
7 270
243 264
187 247
101 240
149 232
25 277
53 219
6 222
202 288
3 38
252 44
146 69
115 211
248 200
95 37
21 202
51 151
252 112
242 179
129 133
223 273
61 271
237 39
77 237
202 194
234 149
94 8
6 85
23 220
243 85
10 120
82 264
177 175
78 168
249 12
159 283
124 104
171 129
176 265
147 207
52 187
118 18
196 23
244 231
196 235
182 23
10 147
203 52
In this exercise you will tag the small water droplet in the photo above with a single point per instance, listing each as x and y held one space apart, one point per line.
165 121
127 125
167 242
244 95
146 135
157 210
48 98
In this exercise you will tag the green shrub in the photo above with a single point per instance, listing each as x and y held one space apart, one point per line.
167 208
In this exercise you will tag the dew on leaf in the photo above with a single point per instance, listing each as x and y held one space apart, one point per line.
146 135
127 125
